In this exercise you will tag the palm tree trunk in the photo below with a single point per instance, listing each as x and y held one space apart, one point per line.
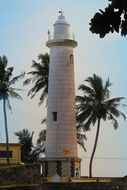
94 148
6 130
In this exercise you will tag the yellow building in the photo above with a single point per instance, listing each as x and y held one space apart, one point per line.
14 153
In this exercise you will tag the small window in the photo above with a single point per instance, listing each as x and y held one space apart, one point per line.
71 59
4 154
54 116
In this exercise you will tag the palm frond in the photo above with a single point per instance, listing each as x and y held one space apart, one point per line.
27 81
85 99
84 114
95 83
44 58
3 61
123 115
80 140
87 124
15 79
86 89
106 90
114 101
44 121
14 94
43 96
39 77
8 104
36 65
42 137
114 121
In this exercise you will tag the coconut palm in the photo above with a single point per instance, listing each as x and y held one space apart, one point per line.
25 138
7 91
95 105
29 153
39 77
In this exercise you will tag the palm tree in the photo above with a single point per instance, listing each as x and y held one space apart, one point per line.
39 76
7 91
95 105
25 138
29 152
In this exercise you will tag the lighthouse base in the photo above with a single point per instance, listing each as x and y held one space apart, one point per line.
61 167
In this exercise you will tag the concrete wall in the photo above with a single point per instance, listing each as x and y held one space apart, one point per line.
21 175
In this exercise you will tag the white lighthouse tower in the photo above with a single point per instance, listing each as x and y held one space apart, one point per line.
61 138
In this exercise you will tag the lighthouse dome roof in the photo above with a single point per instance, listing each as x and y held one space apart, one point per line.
61 28
61 20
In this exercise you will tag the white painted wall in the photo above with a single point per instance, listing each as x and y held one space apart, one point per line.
61 134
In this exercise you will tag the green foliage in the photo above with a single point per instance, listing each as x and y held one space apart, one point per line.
112 19
25 138
29 153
